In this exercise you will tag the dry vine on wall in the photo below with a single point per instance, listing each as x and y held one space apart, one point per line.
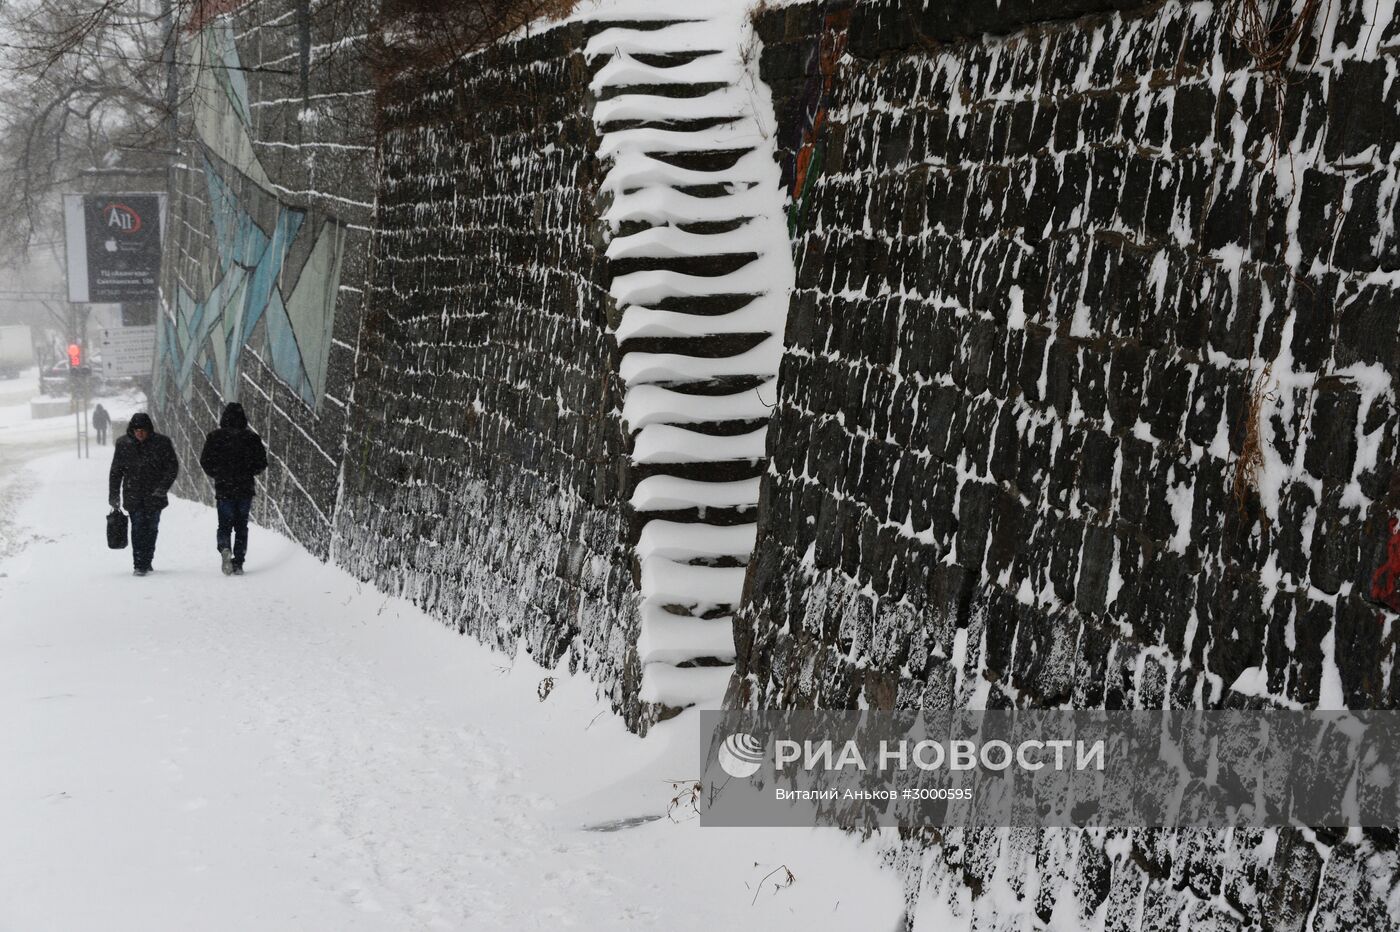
1271 33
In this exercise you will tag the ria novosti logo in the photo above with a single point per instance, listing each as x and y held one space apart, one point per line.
741 755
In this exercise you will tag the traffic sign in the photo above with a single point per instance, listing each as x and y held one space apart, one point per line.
128 351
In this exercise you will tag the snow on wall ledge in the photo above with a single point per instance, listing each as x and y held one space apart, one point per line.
1088 399
700 276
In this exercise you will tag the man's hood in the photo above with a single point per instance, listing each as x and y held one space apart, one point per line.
139 420
233 416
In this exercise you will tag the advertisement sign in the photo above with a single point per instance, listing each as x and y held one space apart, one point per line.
113 245
128 352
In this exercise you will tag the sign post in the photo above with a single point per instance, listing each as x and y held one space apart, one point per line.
114 246
79 395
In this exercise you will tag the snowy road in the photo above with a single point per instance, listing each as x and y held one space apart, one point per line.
23 440
19 445
290 751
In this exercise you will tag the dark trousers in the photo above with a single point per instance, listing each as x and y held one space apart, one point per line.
233 522
145 525
101 436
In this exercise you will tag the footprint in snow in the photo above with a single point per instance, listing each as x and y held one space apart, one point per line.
362 901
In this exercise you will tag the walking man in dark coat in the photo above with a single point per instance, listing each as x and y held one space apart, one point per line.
232 455
101 420
144 467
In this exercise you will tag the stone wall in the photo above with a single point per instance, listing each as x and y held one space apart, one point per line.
1087 396
484 446
267 236
1088 399
399 274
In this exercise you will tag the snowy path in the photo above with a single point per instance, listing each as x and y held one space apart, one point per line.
21 440
288 751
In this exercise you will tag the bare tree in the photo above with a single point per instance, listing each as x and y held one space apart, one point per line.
91 87
88 92
88 88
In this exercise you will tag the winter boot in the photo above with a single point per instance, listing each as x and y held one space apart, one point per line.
227 556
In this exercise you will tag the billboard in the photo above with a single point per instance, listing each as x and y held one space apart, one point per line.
113 245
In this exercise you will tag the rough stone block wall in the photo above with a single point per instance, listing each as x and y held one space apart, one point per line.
1088 400
277 121
482 463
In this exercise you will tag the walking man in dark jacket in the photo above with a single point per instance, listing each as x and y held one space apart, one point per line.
101 420
232 455
144 467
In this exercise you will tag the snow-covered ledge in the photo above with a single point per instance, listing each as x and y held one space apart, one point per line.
702 276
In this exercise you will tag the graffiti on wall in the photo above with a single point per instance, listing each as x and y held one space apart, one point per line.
266 273
1385 582
808 144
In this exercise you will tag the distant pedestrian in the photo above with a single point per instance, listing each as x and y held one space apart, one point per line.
233 454
144 467
101 420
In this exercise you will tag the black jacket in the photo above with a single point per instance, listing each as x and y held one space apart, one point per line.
233 455
100 418
143 470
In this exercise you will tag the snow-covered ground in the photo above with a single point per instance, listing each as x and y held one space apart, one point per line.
17 426
291 750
